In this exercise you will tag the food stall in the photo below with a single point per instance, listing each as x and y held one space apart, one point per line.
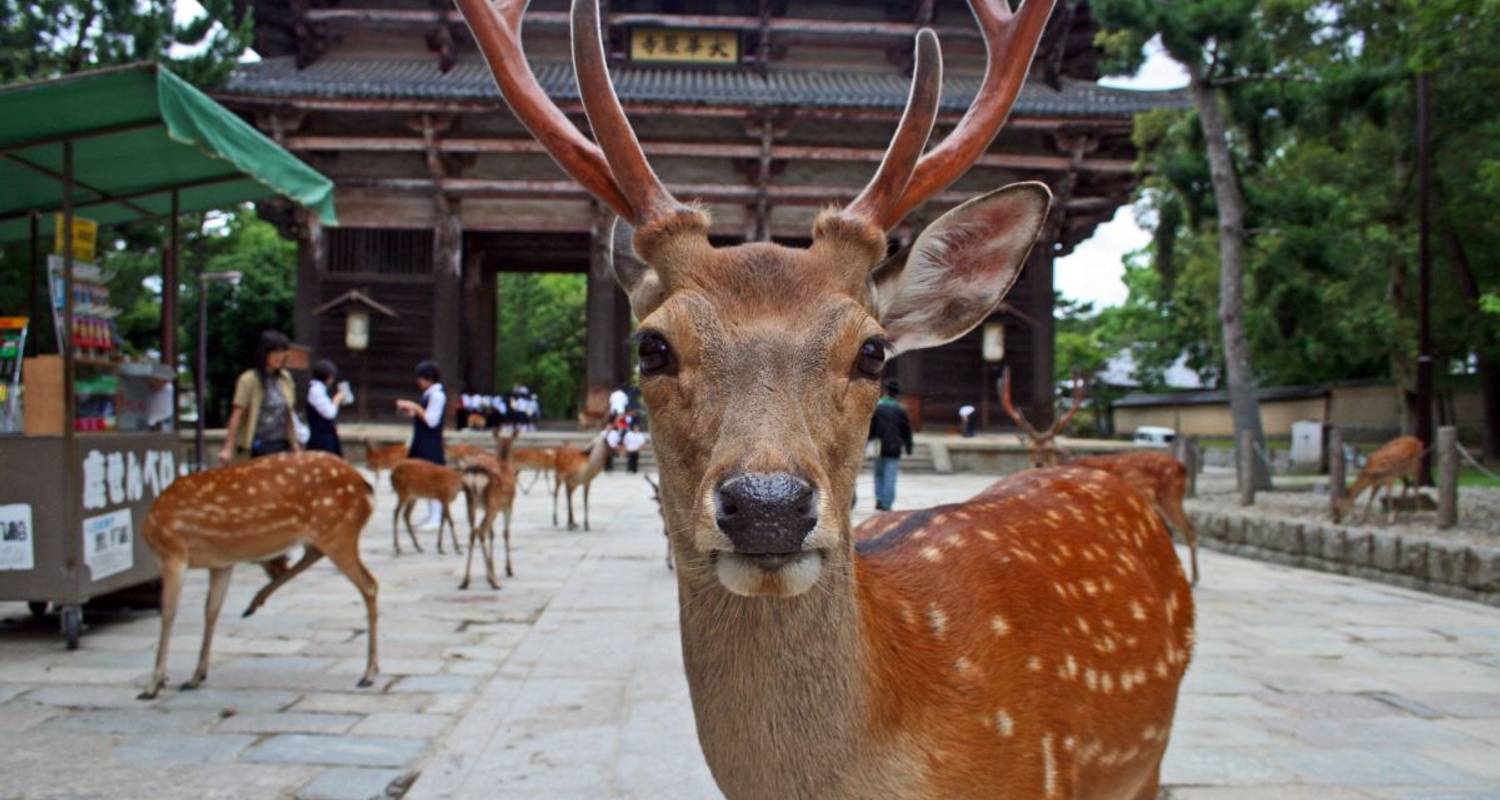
97 441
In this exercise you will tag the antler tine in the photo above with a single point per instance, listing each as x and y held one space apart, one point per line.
627 161
1072 409
1010 40
1010 407
911 136
497 29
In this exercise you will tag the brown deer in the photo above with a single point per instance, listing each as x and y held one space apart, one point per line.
1026 644
1161 479
1041 446
383 456
492 482
256 511
574 468
1398 459
414 479
542 461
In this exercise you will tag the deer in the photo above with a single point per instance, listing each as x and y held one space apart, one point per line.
542 461
1028 643
1398 459
656 498
491 481
414 479
1041 447
383 456
1159 477
256 511
574 468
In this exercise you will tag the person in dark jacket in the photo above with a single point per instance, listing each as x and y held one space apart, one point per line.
891 426
427 427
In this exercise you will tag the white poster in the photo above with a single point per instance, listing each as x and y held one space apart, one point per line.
108 545
17 537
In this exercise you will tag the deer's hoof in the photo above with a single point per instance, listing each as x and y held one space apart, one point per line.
149 694
365 683
190 685
509 573
248 611
463 586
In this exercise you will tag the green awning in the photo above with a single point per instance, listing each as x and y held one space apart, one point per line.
138 132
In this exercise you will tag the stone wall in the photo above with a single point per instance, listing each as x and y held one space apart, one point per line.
1430 564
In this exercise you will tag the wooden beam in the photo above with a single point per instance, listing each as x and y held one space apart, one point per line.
784 152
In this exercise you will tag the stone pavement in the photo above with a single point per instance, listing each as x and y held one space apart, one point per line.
568 682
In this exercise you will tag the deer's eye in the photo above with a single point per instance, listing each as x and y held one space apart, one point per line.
871 359
654 354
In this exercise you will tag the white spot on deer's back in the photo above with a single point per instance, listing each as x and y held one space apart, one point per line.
936 619
1004 724
932 554
1049 767
999 625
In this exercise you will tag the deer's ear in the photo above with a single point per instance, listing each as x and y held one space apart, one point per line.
958 270
636 277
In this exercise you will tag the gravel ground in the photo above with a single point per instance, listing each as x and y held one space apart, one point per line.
1478 508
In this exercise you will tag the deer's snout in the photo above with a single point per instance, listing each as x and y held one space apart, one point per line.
766 513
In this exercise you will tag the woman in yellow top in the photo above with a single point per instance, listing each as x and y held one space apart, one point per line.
262 422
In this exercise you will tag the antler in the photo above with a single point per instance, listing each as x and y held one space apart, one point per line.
1073 409
1010 39
1010 407
618 174
911 135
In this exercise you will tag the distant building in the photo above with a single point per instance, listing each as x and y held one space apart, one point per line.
766 111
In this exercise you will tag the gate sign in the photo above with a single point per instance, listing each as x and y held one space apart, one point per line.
667 45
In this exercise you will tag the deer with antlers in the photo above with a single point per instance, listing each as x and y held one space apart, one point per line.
1159 477
1025 644
1041 446
1396 460
256 511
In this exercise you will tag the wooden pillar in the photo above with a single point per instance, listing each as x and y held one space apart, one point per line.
447 283
607 364
479 324
311 250
1043 397
1336 466
1247 468
1447 476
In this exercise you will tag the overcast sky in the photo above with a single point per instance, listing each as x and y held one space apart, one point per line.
1094 269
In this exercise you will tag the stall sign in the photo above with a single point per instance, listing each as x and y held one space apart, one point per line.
85 235
120 477
677 45
17 551
108 544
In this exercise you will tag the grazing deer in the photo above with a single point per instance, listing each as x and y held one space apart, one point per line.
415 479
1041 446
256 511
491 481
656 498
1027 644
1161 479
383 456
574 468
1398 459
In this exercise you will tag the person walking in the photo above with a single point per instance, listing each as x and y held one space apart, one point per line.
323 410
427 427
262 422
892 428
634 440
966 415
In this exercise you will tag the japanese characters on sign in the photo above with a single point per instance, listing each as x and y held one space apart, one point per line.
108 543
692 46
120 477
17 537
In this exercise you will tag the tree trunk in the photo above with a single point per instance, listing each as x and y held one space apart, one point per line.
1244 406
1489 369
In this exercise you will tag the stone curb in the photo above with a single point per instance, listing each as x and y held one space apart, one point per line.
1451 569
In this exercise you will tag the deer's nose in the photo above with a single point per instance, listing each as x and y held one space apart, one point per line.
766 512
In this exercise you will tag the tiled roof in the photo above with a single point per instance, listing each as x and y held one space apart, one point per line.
471 81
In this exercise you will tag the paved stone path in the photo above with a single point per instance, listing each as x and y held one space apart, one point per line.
568 683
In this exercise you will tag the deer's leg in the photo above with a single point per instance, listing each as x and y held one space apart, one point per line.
469 562
310 556
411 532
171 592
346 558
555 488
586 504
571 524
509 573
452 531
1374 493
396 525
218 587
487 541
1178 521
1390 502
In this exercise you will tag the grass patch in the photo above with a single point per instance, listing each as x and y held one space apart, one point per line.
1473 477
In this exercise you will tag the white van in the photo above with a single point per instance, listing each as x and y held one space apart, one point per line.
1154 435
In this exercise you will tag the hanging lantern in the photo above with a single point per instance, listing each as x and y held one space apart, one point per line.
994 342
357 330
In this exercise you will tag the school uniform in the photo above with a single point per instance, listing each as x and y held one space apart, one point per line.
322 413
427 427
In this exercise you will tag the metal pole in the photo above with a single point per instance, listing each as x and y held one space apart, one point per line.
65 336
1447 459
1424 353
198 381
36 270
169 301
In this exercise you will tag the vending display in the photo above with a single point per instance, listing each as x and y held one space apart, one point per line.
12 351
95 335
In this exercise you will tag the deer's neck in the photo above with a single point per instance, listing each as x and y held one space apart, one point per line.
779 686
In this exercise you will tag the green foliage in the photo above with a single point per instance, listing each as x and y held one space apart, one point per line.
542 338
48 38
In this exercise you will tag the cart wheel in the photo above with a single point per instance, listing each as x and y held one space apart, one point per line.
38 608
72 625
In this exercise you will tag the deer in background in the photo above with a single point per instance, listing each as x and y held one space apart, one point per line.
415 479
1398 459
575 468
1159 477
542 461
256 511
383 456
491 480
1042 447
656 498
1025 644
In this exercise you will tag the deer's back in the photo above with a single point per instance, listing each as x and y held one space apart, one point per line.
1158 476
413 476
1035 633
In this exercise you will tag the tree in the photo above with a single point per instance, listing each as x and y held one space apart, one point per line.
1218 43
542 337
